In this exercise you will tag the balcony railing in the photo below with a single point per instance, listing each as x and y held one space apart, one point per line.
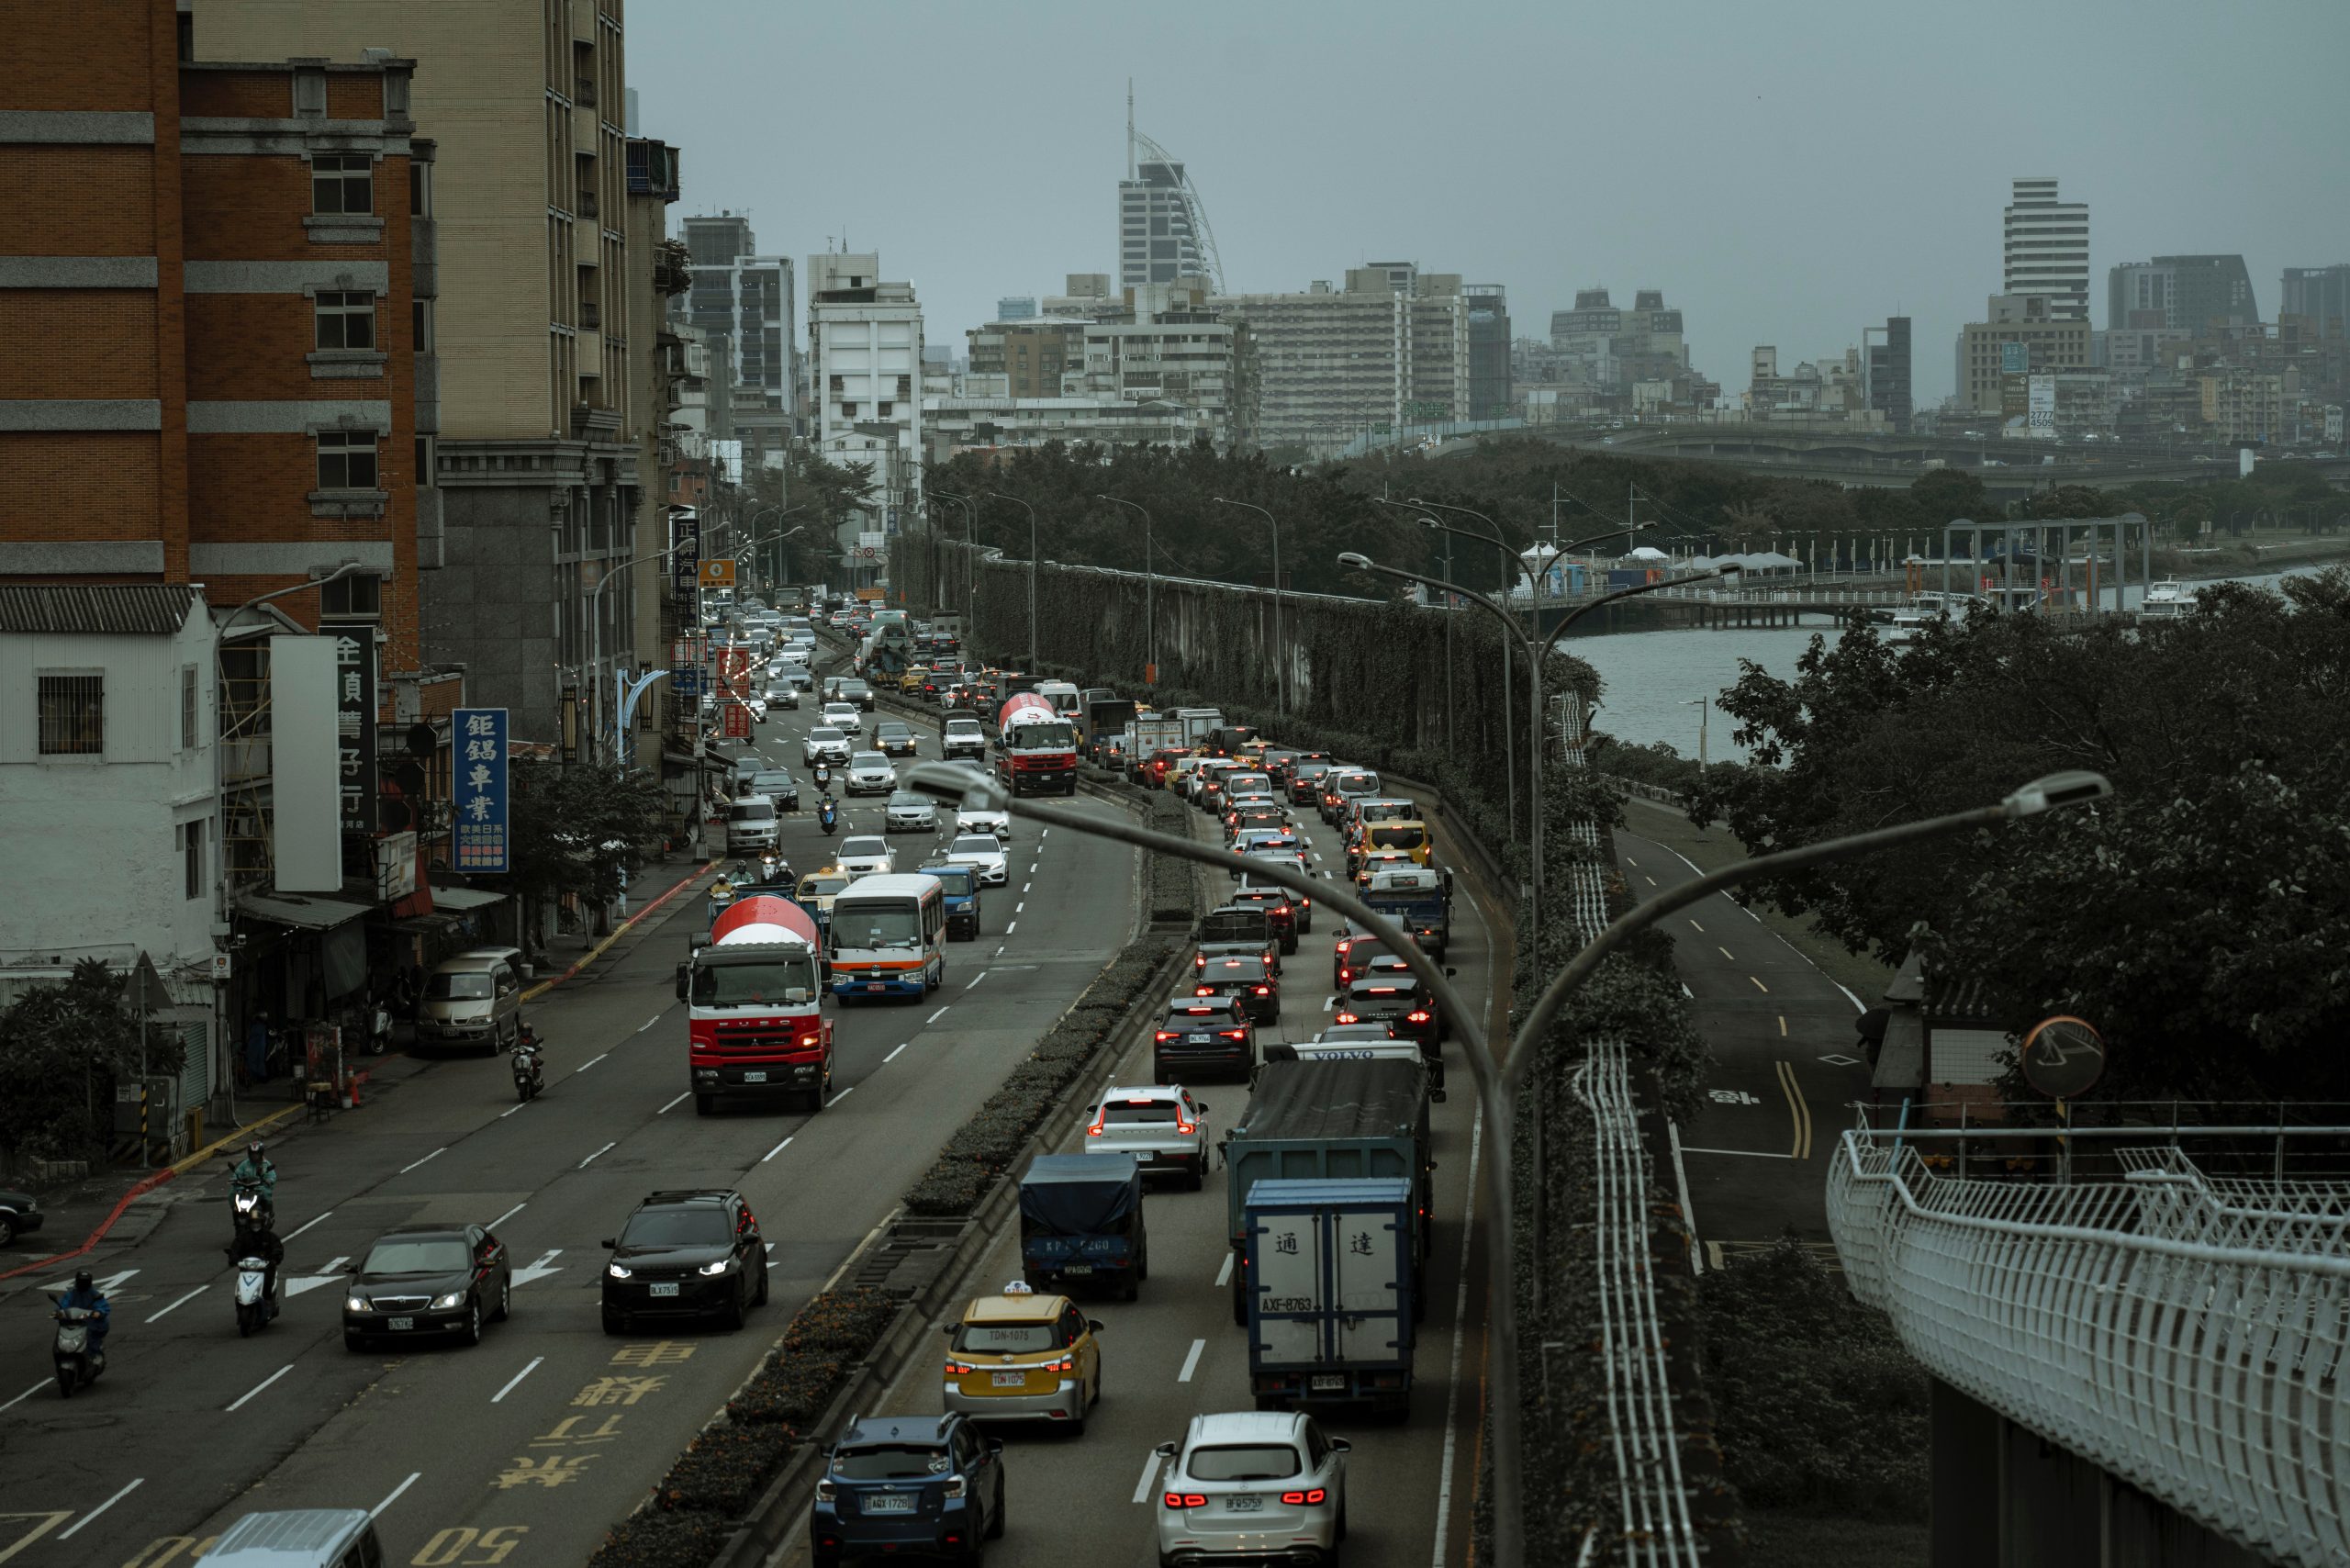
582 92
588 205
592 315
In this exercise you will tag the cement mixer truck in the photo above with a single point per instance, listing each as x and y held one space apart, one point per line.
754 1023
1036 748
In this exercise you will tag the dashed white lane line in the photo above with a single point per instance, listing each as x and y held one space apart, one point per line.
413 1164
1149 1474
1224 1274
781 1146
1760 986
1009 928
1693 926
648 1022
378 1511
510 1110
837 1099
509 1213
1726 954
597 1154
75 1526
256 1388
304 1225
1191 1361
672 1104
940 1013
184 1300
893 1055
26 1394
589 1062
518 1377
1026 886
976 979
1329 1003
1020 907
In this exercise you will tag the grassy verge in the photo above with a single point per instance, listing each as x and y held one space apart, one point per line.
1710 848
1790 1538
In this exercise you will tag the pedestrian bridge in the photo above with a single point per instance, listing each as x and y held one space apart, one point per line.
2137 1333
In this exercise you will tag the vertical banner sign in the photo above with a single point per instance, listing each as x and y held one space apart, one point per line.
478 773
354 711
738 673
685 560
738 722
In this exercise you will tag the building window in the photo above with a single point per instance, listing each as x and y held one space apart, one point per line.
187 707
342 182
420 190
192 836
420 320
882 409
73 715
310 91
837 384
848 410
346 460
358 596
346 320
427 464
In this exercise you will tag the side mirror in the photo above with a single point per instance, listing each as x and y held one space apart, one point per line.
995 1447
1340 1445
351 1268
947 1329
1094 1323
1436 1096
1199 1104
607 1244
684 971
1165 1450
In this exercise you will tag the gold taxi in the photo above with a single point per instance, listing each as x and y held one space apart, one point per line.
1024 1356
1374 861
1405 834
910 683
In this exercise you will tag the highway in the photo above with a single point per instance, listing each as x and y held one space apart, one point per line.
522 1450
1176 1353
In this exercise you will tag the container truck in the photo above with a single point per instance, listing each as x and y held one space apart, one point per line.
1333 1282
1325 1121
1035 749
753 1025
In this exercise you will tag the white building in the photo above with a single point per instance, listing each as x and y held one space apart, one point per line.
865 360
1391 349
951 424
2046 249
108 807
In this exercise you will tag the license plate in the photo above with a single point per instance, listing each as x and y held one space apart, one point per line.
1197 1039
875 985
1332 1382
1243 1503
400 1325
754 1078
1009 1380
669 1289
889 1504
1078 1268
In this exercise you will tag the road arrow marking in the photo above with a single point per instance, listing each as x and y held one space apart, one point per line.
539 1269
312 1282
106 1286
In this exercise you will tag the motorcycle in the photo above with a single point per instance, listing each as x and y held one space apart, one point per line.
827 818
77 1361
250 1208
530 1068
254 1307
824 778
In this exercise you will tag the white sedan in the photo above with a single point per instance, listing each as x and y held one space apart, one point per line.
996 823
984 853
865 856
824 743
846 717
871 773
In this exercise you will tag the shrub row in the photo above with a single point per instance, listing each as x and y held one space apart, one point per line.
738 1455
984 1149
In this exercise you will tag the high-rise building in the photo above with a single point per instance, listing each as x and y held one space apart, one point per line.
539 410
1610 348
2182 293
1016 307
746 299
865 359
2046 249
1163 232
1389 349
2322 294
1489 389
1887 372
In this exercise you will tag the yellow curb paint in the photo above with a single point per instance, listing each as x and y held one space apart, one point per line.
183 1167
618 931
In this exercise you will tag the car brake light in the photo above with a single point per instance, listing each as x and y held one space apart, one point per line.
1264 991
1348 1018
1066 1363
1185 1127
1186 1500
1204 991
1163 1036
1305 1498
960 1369
1415 1017
1093 1129
1233 1033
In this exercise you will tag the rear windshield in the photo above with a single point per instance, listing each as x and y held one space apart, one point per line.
901 1463
1158 1111
1397 837
457 988
750 811
676 1227
446 1256
1244 1461
1006 1338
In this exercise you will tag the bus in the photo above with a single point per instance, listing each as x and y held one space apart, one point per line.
888 937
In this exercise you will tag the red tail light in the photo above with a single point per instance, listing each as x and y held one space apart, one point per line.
1233 1033
1305 1499
1415 1017
1185 1127
960 1369
1186 1500
1348 1018
1204 991
1163 1036
1094 1128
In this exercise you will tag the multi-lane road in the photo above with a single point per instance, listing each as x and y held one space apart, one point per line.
523 1449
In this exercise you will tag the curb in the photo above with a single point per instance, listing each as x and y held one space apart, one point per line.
622 929
141 1191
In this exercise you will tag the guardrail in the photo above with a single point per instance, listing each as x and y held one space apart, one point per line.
2184 1331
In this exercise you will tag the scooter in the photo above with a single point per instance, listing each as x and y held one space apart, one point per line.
249 1208
530 1066
77 1361
827 817
254 1309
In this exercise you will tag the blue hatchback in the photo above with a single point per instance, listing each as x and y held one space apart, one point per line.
907 1484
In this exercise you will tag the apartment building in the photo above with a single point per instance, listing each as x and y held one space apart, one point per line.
748 301
865 360
2045 248
2182 293
2023 335
536 458
1388 349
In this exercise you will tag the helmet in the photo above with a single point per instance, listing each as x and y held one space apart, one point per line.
1019 1287
252 1149
82 1280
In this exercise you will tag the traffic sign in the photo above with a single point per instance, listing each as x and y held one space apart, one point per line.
2063 1058
717 574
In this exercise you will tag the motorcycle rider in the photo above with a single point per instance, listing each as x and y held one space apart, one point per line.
266 1245
825 814
85 1293
255 1167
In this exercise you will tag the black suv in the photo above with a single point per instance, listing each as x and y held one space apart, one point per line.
918 1483
1203 1034
1279 909
686 1254
1248 981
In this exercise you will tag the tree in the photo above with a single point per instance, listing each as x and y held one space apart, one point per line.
1945 494
2199 918
63 1049
579 828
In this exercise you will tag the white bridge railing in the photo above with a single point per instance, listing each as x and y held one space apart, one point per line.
2186 1333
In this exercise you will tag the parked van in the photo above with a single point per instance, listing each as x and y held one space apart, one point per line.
304 1537
473 999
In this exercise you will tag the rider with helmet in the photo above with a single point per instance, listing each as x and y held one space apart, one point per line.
84 1293
256 1168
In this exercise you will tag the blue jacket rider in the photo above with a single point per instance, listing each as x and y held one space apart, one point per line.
85 1293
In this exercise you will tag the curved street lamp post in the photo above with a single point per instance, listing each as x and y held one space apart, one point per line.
1498 1078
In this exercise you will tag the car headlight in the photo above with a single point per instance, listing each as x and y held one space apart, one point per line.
616 1271
454 1298
354 1302
717 1268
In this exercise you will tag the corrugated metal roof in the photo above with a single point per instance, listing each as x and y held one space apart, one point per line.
157 609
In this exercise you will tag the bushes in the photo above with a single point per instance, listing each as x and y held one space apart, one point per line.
663 1541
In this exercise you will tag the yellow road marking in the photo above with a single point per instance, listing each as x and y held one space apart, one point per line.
1797 1109
1760 986
48 1521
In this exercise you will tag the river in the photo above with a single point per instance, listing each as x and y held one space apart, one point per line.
1654 685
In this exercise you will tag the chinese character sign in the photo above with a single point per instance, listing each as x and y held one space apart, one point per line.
354 703
477 768
738 722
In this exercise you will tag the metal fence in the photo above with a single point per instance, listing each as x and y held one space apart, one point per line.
2186 1330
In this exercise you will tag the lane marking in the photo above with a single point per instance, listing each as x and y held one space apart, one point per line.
1848 994
74 1528
1649 879
597 1154
671 1105
1726 954
1019 906
1797 1108
1460 1331
259 1386
893 1055
1191 1361
184 1300
1688 1213
998 951
777 1149
1224 1274
942 1012
589 1062
518 1377
1694 924
1630 861
304 1225
509 1213
977 979
1008 930
1149 1474
26 1393
1026 886
1749 1153
395 1498
1329 1003
1760 986
648 1022
503 1115
1687 992
837 1099
412 1165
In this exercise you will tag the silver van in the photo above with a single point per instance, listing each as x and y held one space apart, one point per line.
473 999
304 1537
751 824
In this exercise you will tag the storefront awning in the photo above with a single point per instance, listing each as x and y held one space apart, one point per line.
305 912
463 901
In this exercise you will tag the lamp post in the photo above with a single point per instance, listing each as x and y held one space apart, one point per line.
971 558
596 636
1705 706
1509 727
1280 655
1149 584
1498 1076
1016 501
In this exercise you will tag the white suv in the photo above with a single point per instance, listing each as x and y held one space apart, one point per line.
1160 1123
824 743
1251 1486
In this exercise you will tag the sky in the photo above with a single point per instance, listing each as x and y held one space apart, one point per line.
1786 174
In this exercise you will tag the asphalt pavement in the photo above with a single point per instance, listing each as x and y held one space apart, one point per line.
522 1450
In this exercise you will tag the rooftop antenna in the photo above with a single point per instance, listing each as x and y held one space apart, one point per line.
1130 127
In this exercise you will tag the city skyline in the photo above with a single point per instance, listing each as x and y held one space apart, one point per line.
1542 192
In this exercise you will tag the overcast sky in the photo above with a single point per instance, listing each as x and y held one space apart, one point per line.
1787 174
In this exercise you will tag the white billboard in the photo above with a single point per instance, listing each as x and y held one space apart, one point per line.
305 765
2039 405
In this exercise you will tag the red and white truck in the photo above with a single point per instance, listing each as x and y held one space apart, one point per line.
755 1019
1036 748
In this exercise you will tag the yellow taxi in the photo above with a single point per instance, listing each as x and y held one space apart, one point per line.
1399 833
1024 1356
910 683
816 891
1374 861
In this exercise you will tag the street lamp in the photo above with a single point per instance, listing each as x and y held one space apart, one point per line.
1281 666
1509 727
971 560
1497 1078
1705 706
1149 584
998 495
596 635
